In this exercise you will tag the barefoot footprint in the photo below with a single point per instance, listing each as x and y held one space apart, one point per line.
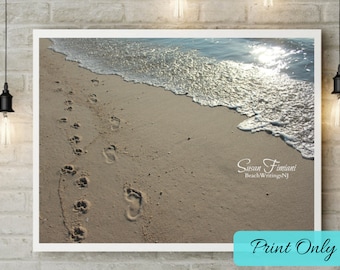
110 154
93 98
115 122
135 200
95 82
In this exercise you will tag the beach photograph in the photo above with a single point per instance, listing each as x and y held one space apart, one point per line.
175 139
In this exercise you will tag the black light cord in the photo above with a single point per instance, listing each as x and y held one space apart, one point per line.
5 41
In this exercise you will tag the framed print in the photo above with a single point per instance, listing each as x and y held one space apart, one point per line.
173 140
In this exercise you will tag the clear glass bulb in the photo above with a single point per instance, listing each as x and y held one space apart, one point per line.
178 12
336 113
5 130
268 3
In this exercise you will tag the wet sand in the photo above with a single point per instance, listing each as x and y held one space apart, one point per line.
122 162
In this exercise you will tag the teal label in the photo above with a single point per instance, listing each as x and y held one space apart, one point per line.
287 248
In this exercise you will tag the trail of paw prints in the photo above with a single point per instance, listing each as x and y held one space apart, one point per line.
75 139
74 142
74 205
135 201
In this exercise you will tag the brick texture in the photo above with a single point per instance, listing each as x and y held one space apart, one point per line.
16 161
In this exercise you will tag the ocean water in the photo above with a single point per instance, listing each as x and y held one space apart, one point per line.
271 81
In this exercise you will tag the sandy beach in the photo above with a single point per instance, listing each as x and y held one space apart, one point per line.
122 162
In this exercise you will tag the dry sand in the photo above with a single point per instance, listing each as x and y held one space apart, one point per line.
125 162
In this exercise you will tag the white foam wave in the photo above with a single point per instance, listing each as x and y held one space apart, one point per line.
272 101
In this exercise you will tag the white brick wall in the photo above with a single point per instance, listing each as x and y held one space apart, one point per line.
16 162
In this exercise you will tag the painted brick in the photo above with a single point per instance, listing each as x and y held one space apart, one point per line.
15 248
29 202
285 13
188 256
27 12
19 60
113 266
215 266
87 12
330 60
330 36
227 12
105 257
331 179
23 133
24 151
327 156
336 154
16 84
7 155
27 265
149 11
12 201
20 224
15 177
191 12
22 105
330 202
330 222
29 85
330 12
18 37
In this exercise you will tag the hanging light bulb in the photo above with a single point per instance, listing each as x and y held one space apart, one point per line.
5 130
5 107
268 3
336 90
5 98
336 105
178 12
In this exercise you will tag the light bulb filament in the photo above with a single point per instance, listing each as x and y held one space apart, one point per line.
336 113
5 130
178 13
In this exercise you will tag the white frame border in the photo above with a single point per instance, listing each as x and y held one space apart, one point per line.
128 33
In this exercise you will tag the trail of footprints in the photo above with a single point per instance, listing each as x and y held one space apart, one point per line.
74 181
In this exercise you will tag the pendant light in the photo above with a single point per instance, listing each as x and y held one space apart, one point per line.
336 90
5 97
